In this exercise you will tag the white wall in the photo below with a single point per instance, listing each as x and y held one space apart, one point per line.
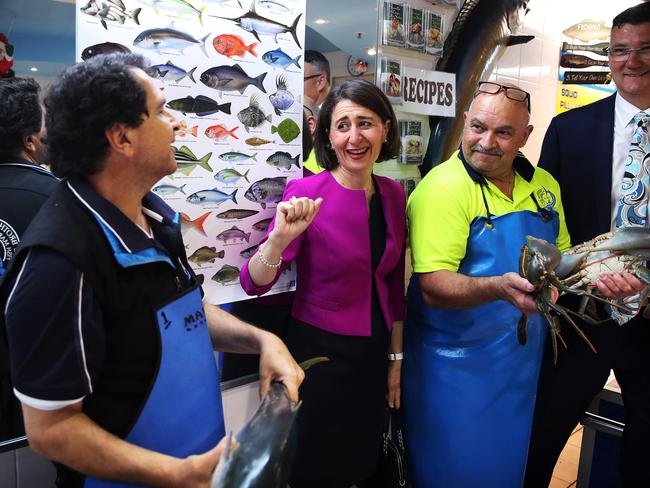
534 66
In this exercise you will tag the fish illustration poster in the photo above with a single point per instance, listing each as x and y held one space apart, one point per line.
232 73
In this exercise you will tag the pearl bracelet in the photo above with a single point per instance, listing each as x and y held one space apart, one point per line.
395 357
265 262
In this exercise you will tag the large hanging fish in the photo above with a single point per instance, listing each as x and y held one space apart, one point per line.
256 25
481 32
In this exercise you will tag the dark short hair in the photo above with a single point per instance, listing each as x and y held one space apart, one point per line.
21 114
85 100
639 14
318 61
367 95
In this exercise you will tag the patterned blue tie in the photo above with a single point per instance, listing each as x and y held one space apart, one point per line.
632 208
633 200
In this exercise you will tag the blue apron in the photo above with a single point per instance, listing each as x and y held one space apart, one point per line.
183 414
468 385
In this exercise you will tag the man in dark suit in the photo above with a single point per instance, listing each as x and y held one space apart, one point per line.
585 149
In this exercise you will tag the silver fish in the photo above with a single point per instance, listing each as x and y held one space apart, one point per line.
256 25
281 159
169 71
211 198
226 274
282 99
237 156
261 456
166 190
178 7
234 234
168 40
230 175
253 116
266 190
272 6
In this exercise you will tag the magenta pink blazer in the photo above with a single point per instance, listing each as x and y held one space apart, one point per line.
333 257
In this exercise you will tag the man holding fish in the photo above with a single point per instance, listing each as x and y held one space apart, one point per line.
590 150
111 345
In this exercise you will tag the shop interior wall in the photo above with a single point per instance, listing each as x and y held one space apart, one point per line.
534 66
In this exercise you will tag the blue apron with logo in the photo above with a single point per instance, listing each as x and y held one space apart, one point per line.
183 414
468 385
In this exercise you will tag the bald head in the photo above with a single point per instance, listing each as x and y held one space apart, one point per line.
496 127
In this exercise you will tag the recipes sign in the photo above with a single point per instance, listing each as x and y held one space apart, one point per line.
429 92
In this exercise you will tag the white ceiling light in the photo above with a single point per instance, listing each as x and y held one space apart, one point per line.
321 21
33 68
371 51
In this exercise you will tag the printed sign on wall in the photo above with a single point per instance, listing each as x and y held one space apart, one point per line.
429 92
232 72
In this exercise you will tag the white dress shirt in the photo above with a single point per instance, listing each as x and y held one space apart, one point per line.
624 113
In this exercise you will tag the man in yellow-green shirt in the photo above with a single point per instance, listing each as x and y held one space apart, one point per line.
468 385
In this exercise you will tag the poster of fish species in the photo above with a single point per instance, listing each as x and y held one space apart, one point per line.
232 74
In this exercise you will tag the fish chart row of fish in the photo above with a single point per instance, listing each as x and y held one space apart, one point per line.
231 72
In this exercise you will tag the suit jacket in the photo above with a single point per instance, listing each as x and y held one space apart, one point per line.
577 151
334 281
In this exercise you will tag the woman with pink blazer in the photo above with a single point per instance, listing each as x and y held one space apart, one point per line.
346 229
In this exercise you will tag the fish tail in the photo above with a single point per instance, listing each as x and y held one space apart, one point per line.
296 160
190 74
274 129
269 118
296 59
194 130
259 82
247 237
198 223
221 254
293 29
232 132
134 15
203 162
233 196
181 190
201 9
224 107
254 157
245 175
251 49
203 40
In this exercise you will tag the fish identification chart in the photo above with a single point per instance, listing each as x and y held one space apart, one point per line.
232 72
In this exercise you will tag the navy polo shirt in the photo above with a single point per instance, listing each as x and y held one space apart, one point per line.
54 324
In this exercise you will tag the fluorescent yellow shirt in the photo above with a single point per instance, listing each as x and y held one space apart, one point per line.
311 164
447 200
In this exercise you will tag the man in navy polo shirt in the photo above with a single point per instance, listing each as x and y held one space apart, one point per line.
110 344
24 187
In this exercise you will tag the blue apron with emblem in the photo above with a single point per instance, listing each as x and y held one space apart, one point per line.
468 385
183 414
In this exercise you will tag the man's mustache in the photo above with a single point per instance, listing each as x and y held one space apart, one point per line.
493 152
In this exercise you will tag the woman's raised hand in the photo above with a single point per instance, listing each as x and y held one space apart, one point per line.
292 218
